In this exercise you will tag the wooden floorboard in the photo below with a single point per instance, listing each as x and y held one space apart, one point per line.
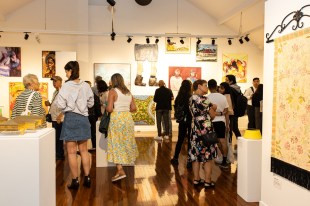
152 181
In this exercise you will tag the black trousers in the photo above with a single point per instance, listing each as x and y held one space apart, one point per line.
251 116
165 115
59 143
184 131
92 120
233 124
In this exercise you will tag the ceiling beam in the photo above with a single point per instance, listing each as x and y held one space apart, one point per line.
253 29
236 11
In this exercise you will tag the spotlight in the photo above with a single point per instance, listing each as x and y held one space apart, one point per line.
240 40
113 36
147 40
156 40
26 36
182 41
229 41
129 39
213 41
111 2
246 38
198 41
168 40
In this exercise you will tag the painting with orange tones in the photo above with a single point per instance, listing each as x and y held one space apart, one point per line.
15 88
235 64
290 145
48 64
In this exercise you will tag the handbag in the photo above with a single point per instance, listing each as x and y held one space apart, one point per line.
104 123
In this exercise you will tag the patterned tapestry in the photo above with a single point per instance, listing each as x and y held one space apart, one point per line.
15 88
290 155
235 64
145 114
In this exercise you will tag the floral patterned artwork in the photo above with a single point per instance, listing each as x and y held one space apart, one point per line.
235 64
291 108
15 88
145 114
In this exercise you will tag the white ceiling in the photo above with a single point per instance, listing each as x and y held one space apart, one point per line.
224 12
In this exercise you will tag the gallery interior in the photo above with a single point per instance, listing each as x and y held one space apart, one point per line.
102 36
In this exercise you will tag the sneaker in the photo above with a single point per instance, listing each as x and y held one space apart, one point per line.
166 137
158 138
224 165
174 161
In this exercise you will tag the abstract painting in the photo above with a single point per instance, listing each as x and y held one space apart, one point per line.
145 114
10 61
48 64
290 154
206 53
235 64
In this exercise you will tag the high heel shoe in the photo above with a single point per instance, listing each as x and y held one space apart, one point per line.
87 181
74 184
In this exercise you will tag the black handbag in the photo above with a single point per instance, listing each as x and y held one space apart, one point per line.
209 138
48 118
104 123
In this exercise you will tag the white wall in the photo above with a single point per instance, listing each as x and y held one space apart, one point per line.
275 189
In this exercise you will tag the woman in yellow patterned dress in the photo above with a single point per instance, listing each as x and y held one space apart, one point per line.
122 147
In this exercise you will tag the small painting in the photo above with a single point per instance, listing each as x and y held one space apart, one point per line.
235 64
206 53
48 64
10 61
178 45
178 74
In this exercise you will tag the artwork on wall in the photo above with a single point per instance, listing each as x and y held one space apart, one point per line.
10 61
206 53
235 64
1 111
48 64
290 152
178 74
174 46
15 88
106 70
145 114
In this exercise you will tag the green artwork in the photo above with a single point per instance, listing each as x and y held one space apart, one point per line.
145 114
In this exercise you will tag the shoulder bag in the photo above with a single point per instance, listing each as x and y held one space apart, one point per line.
104 123
27 112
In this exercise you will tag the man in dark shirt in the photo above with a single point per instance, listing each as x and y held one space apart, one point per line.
162 97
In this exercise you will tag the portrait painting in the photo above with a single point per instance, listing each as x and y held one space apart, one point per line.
235 64
177 45
48 64
206 53
10 61
178 74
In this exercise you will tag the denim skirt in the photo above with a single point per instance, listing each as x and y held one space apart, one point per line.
75 127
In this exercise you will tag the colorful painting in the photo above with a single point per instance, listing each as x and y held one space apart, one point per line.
235 64
106 70
145 114
15 88
290 155
48 64
178 74
206 53
10 61
174 45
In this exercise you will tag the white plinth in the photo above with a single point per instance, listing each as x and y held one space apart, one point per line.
101 150
27 175
249 169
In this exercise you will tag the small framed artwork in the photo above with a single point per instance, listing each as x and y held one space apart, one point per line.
235 64
48 64
10 61
206 53
178 45
106 70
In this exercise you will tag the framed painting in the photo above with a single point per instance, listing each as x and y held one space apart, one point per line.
106 70
48 64
235 64
10 61
177 45
206 53
178 74
145 114
15 88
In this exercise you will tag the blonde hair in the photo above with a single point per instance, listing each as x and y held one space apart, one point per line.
117 81
28 79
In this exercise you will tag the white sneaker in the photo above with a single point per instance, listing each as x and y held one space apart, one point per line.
158 138
166 137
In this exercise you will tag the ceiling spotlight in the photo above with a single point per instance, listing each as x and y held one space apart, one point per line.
168 40
26 36
229 41
246 38
111 2
198 41
181 40
147 40
240 40
129 39
156 40
113 36
213 41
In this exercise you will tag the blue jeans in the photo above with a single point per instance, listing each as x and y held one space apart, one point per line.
165 115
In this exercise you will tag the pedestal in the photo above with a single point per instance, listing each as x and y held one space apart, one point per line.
249 169
28 167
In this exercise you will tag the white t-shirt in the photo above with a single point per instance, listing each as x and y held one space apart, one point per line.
221 102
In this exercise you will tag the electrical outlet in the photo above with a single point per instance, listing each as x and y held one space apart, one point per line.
277 183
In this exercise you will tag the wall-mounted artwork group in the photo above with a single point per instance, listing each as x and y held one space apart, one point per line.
10 61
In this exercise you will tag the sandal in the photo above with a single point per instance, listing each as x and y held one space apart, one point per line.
118 177
198 182
209 185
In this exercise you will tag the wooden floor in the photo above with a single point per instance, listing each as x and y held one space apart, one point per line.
152 181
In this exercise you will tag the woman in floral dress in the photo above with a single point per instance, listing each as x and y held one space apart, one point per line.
203 111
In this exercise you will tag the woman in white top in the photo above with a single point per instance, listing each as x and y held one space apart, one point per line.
122 147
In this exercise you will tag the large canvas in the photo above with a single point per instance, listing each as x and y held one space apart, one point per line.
235 64
15 88
178 74
48 64
176 47
206 53
145 114
290 155
10 61
106 70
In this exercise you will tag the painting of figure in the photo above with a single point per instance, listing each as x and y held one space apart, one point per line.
10 61
48 64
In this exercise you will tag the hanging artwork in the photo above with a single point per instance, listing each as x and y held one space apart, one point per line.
206 53
106 70
145 114
290 154
10 61
178 74
235 64
48 64
15 88
174 45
